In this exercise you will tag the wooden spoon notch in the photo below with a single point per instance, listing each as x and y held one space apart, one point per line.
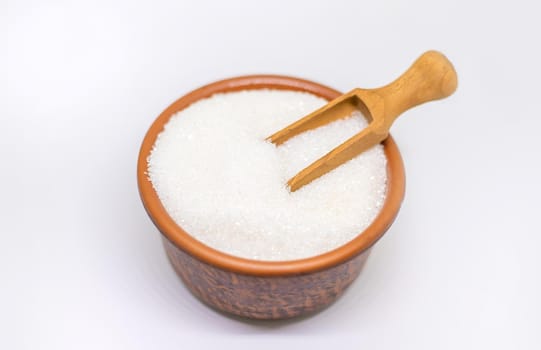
430 77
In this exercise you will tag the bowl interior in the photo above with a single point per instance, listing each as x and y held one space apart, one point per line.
180 238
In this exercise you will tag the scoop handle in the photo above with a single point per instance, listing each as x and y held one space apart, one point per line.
430 77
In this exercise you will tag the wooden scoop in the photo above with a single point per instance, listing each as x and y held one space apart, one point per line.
430 77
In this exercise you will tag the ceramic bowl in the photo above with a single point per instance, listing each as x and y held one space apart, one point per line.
260 289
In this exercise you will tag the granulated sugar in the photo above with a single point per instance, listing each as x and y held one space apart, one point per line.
225 185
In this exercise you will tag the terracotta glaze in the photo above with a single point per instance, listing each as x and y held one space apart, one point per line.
263 289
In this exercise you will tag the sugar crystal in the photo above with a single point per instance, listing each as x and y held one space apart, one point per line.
225 185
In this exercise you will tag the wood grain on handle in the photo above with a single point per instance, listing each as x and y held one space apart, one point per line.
430 77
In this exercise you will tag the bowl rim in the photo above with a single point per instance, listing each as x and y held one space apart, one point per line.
190 245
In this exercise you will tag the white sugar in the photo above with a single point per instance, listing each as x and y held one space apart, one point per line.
224 184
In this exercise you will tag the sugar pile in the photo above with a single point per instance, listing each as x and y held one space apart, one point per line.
224 184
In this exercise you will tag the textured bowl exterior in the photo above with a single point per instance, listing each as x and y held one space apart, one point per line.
263 297
263 289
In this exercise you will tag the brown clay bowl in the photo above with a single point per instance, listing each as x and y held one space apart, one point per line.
260 289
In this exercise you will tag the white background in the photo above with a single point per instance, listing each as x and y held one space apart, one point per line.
82 266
